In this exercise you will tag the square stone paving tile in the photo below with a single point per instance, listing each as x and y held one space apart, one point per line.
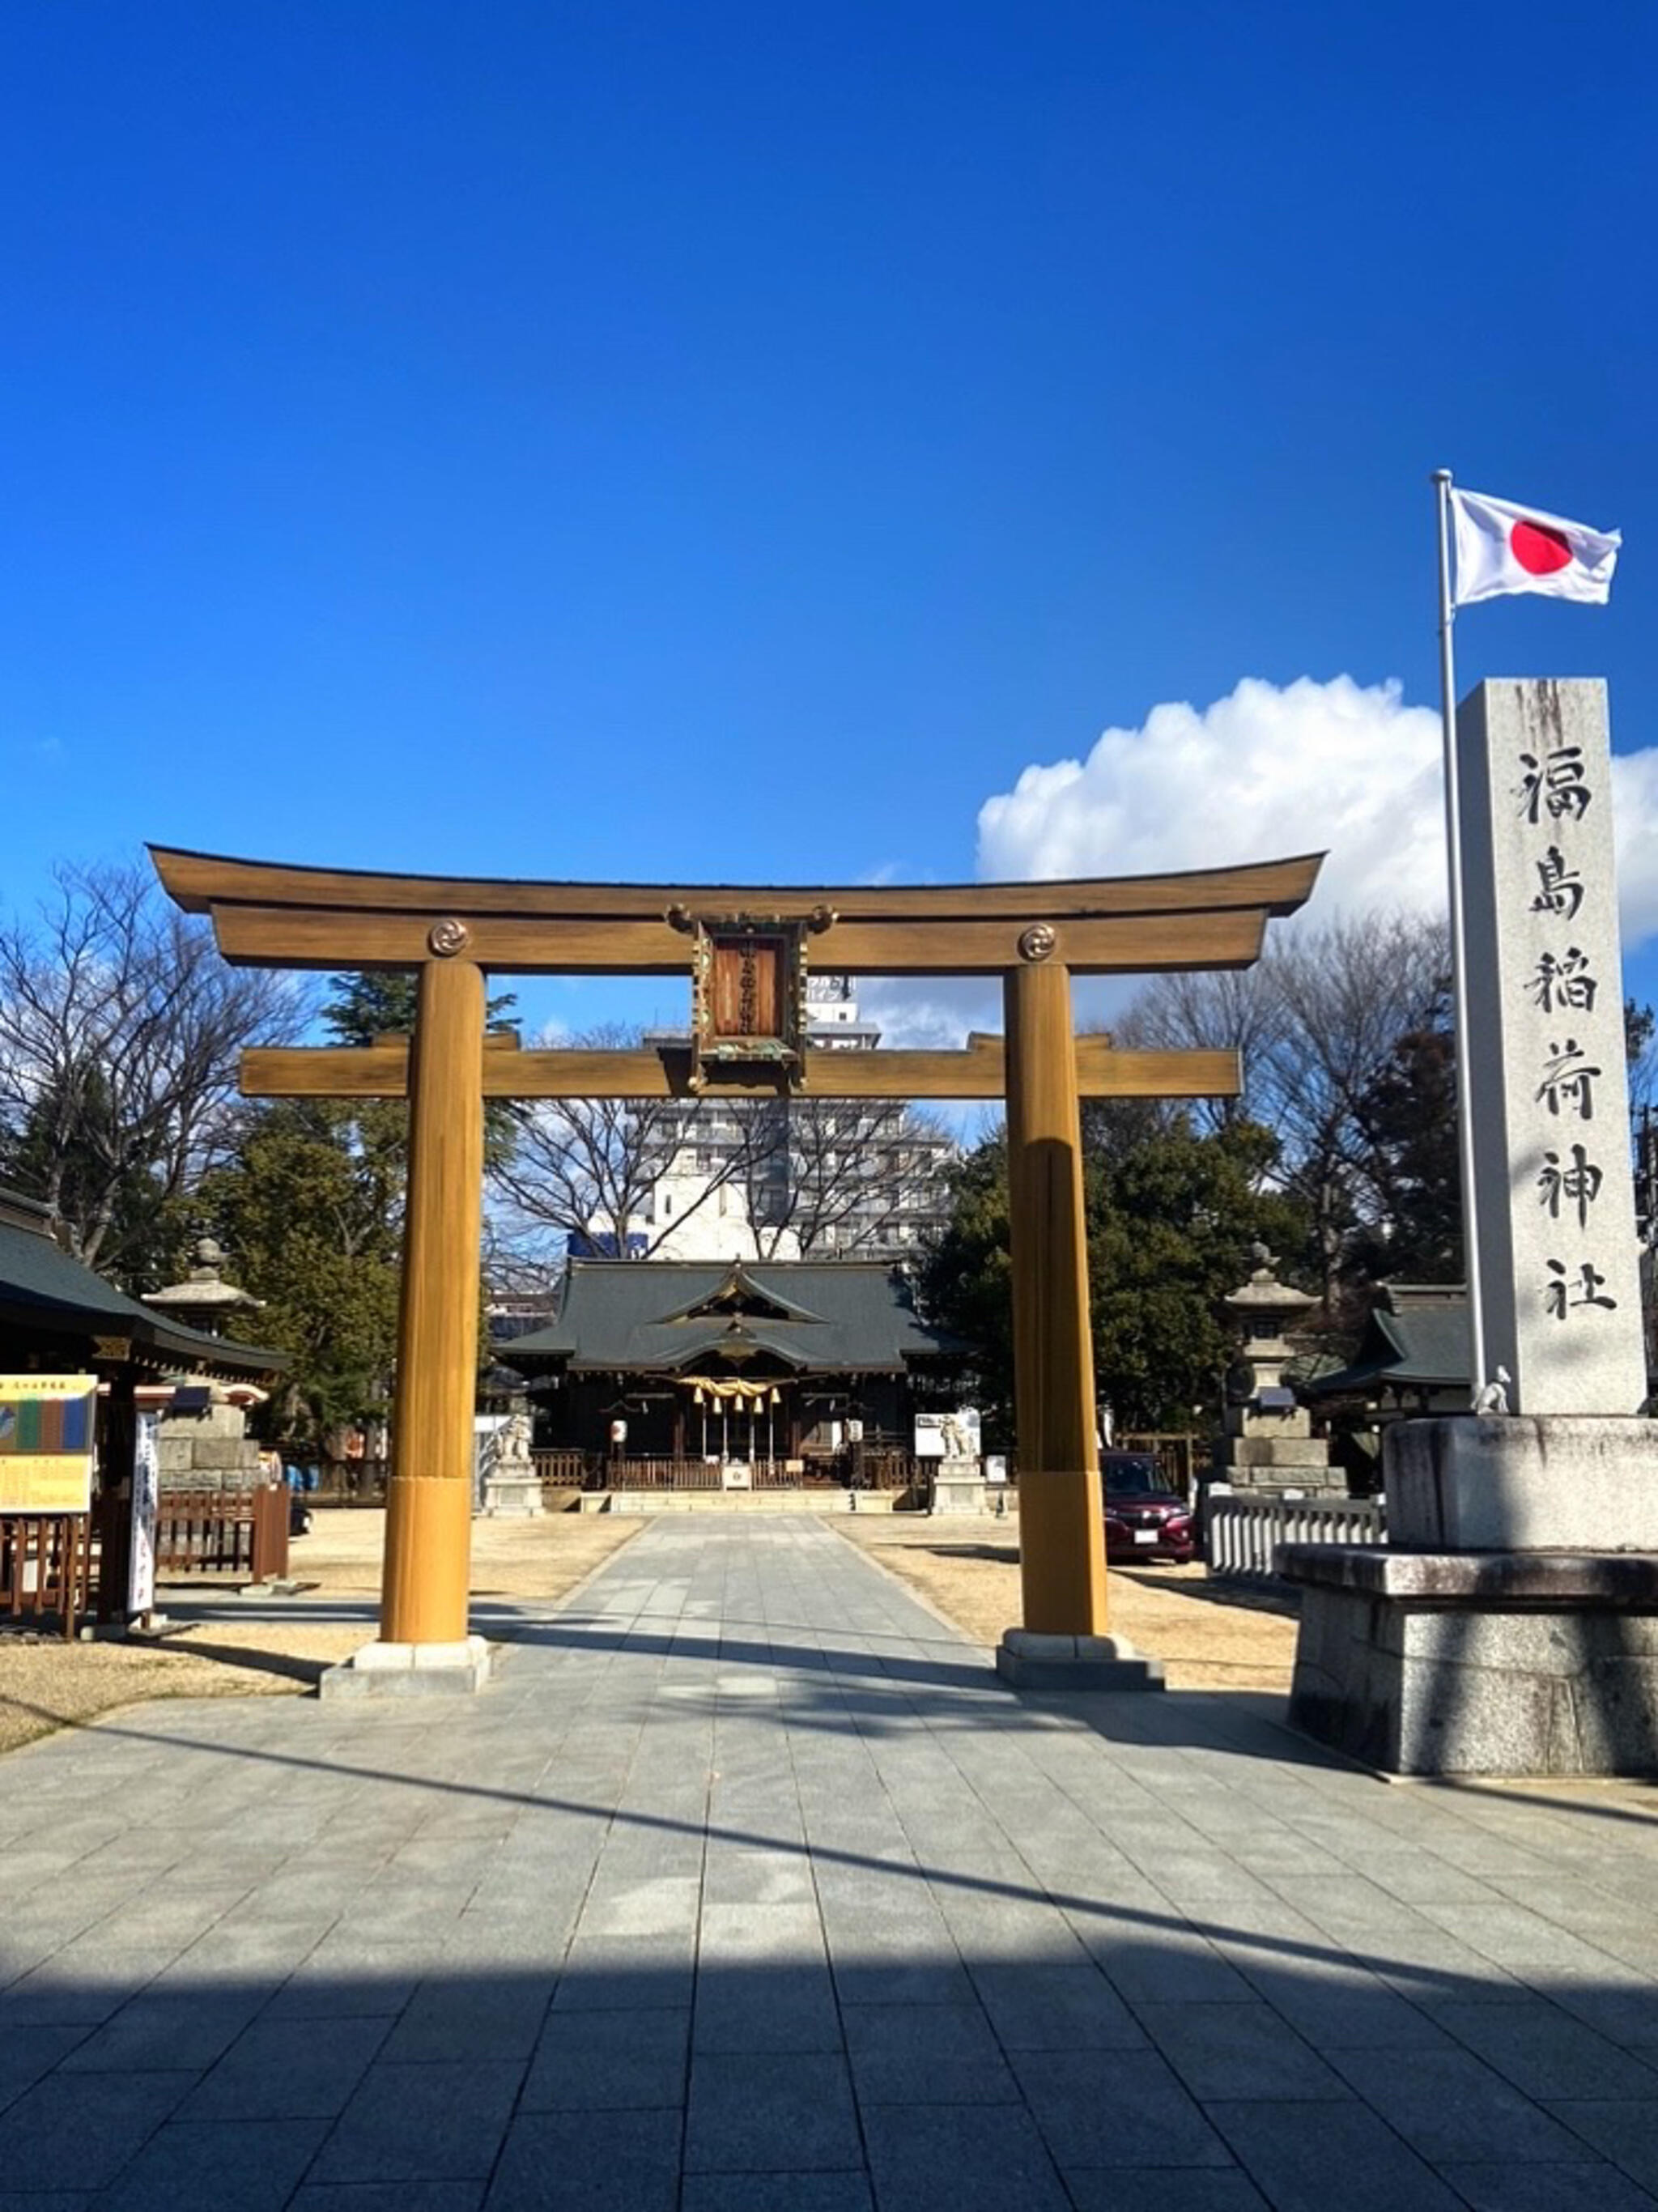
629 1973
879 1964
152 2033
780 2009
471 2017
1047 2008
29 2049
940 2158
389 2196
231 2165
1626 2133
925 2054
1115 2108
1165 2189
584 2162
431 2123
85 2136
1450 2106
1546 2189
278 2071
770 2114
1308 2157
1547 2052
1236 2050
610 2061
775 2192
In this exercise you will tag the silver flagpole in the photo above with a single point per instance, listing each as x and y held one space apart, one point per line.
1441 478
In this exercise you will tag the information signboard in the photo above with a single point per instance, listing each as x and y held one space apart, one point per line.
47 1435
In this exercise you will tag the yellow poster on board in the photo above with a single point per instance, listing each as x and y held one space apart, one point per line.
47 1433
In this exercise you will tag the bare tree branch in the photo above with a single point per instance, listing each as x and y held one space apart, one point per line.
120 1028
1316 1022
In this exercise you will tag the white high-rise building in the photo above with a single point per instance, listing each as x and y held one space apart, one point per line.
799 1177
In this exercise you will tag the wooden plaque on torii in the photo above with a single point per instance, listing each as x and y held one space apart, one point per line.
749 1040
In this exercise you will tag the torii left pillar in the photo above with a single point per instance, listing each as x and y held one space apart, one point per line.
424 1645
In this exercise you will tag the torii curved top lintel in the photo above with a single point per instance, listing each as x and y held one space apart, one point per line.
270 913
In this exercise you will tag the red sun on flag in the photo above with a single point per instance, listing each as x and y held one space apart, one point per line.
1540 551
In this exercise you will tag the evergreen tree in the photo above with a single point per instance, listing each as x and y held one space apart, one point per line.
311 1212
1170 1215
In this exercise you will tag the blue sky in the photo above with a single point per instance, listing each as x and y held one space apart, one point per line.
676 441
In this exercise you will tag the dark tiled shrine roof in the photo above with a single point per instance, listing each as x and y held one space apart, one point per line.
1416 1337
672 1316
47 1297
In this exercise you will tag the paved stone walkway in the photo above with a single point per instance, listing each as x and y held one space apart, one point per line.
746 1885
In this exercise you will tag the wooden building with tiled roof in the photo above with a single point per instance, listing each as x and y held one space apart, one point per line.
780 1363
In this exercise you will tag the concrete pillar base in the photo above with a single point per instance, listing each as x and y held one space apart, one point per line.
1031 1660
411 1670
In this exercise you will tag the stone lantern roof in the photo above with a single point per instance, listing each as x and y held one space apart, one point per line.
204 1298
1265 1305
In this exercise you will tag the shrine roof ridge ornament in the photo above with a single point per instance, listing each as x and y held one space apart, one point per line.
270 913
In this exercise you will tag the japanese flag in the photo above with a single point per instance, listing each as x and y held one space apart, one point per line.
1500 548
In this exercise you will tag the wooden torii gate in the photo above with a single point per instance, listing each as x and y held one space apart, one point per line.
745 951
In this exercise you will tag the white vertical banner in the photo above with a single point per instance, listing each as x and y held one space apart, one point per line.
1558 1254
146 1503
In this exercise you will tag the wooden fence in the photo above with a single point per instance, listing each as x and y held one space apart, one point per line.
46 1566
1175 1451
690 1474
223 1532
559 1470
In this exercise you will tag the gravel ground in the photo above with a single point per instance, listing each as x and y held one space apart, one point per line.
1210 1635
45 1683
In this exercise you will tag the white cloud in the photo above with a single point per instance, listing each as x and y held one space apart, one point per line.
1340 767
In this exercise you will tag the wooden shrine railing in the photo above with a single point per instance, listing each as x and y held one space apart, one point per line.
238 1532
46 1566
879 1467
559 1469
690 1474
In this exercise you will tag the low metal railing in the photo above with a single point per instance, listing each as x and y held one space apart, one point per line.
1241 1534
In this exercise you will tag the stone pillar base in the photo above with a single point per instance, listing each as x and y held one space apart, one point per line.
512 1498
1554 1482
411 1670
1477 1662
958 1486
1032 1660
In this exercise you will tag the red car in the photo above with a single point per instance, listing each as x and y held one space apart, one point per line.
1144 1518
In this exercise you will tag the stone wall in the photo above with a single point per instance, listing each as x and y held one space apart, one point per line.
207 1450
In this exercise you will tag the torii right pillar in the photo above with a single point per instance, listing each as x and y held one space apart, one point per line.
1063 1642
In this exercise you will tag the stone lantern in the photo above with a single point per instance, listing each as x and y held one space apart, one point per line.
204 1443
204 1299
1266 1443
